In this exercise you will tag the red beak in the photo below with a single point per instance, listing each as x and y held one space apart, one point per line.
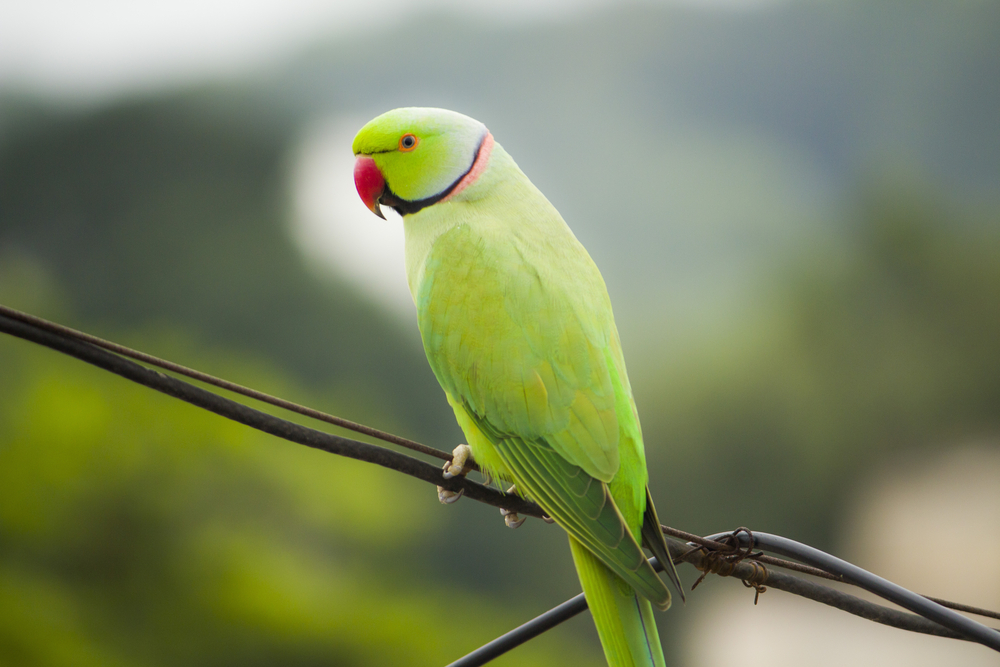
369 182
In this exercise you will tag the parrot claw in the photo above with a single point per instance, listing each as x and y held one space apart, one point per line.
548 519
511 519
457 466
447 497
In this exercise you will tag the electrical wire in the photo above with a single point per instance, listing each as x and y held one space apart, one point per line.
872 583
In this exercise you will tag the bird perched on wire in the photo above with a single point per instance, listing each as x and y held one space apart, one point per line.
517 326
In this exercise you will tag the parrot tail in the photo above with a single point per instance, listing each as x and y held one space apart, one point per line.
624 619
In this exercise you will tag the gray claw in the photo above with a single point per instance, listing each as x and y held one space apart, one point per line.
511 519
447 497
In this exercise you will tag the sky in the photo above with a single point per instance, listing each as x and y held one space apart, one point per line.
99 48
333 228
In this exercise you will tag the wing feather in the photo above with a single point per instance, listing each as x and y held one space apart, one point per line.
524 350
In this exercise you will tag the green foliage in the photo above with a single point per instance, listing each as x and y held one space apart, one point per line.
138 530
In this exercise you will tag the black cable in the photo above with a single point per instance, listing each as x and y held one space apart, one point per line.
530 630
744 570
262 421
523 633
872 583
118 349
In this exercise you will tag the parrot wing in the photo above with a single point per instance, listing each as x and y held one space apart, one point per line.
581 504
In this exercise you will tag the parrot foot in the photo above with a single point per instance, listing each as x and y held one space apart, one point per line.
511 518
457 466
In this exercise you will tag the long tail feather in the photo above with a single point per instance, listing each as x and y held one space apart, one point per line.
623 618
652 537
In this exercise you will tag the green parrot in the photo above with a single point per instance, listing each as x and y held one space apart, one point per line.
517 326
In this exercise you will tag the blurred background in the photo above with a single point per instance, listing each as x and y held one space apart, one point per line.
795 205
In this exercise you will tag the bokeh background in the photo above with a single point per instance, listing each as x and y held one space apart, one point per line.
796 207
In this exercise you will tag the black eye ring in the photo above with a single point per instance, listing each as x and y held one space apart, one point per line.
407 142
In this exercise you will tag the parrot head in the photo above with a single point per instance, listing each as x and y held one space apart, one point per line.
411 158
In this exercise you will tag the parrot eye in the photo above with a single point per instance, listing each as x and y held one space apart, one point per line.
407 142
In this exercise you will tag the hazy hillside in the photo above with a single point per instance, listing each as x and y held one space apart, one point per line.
155 214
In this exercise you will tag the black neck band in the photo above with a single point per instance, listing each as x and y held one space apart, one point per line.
404 207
